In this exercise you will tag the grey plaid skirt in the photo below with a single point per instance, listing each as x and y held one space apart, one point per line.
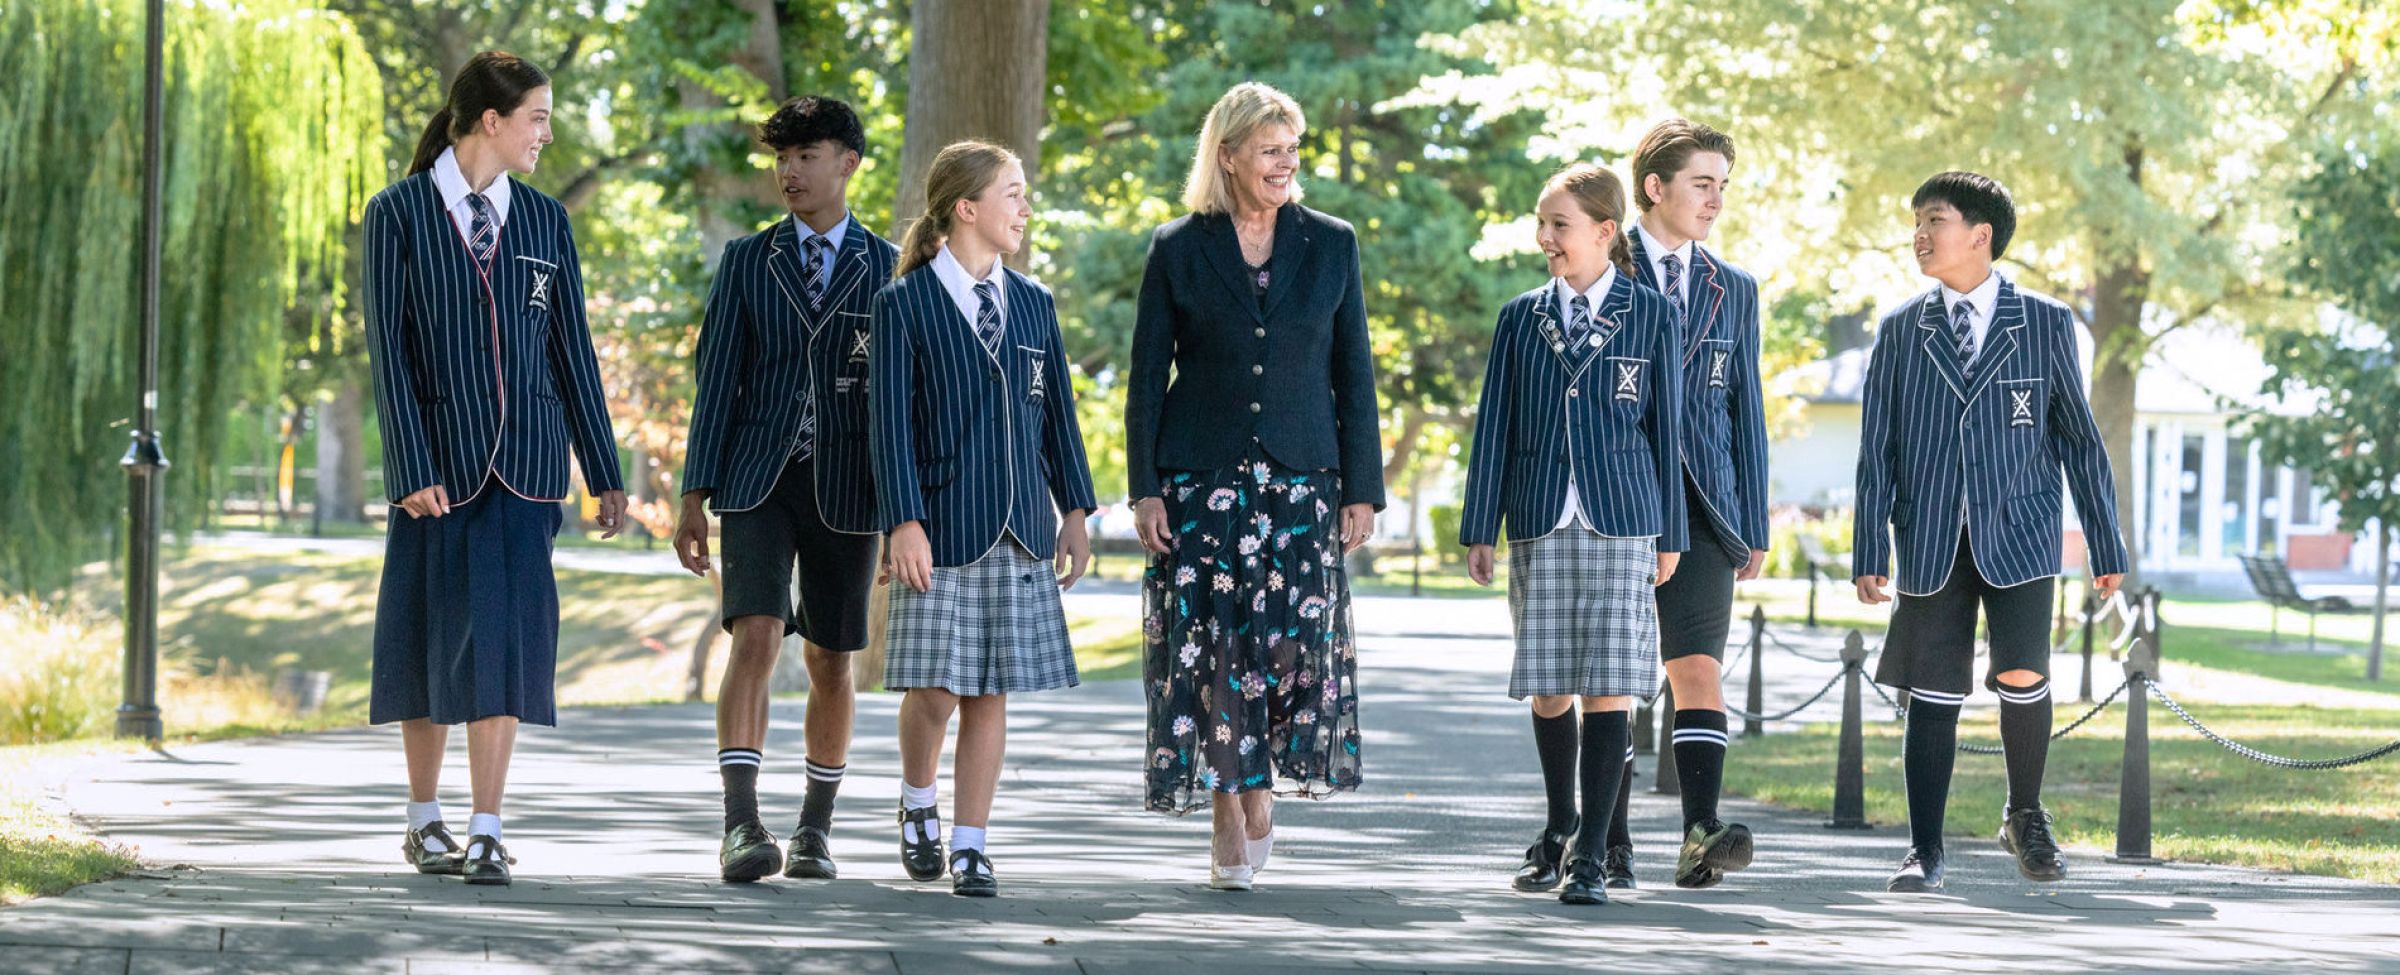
993 626
1586 616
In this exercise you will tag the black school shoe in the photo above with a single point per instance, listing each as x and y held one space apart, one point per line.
811 857
1585 881
1540 871
451 859
1711 849
1920 873
2025 834
922 858
749 852
1618 868
489 868
973 877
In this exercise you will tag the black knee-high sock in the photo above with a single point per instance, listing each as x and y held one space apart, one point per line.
739 766
1554 739
1699 761
816 803
2025 716
1620 834
1605 735
1927 753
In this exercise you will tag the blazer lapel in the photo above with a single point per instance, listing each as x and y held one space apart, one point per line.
2000 340
783 263
1549 330
1704 268
1641 258
1291 254
849 268
966 325
1224 250
1934 338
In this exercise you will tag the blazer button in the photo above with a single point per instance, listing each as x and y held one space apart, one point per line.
1260 332
1258 370
1253 407
1572 392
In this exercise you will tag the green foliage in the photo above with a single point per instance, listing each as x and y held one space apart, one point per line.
2347 247
271 150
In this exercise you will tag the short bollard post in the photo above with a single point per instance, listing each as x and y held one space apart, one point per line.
1666 784
1849 766
2091 609
1812 596
1752 727
1645 732
2133 783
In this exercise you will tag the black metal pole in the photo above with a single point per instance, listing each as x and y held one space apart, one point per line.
2091 612
144 462
1850 760
1757 695
1666 784
2133 782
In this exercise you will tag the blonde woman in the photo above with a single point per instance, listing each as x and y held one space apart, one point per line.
976 455
1252 474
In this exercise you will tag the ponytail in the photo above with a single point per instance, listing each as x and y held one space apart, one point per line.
961 171
431 144
1620 251
493 81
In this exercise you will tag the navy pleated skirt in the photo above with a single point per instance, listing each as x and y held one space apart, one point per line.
466 626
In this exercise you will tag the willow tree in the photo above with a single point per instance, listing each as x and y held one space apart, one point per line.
273 143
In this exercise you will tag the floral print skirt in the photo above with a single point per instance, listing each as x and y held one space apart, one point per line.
1249 667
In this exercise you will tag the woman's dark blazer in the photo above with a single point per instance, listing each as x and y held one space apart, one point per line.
1297 377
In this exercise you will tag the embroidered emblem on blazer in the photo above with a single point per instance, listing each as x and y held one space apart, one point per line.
2020 407
1716 367
1628 384
858 346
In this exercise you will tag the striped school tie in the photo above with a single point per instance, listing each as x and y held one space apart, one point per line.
1674 283
818 253
483 232
987 316
1579 321
1962 331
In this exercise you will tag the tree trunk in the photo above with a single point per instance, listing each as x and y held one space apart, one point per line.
975 71
722 190
341 455
2383 588
2120 295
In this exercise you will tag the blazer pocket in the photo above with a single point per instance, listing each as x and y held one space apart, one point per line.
2034 510
1904 514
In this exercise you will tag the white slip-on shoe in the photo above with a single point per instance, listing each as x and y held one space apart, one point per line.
1229 878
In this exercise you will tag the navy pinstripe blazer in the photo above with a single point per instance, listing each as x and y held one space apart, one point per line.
476 377
970 443
1931 441
1724 420
1608 414
1296 377
763 348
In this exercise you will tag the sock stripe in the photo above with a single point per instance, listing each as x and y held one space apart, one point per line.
739 756
1916 694
1629 753
2025 695
1709 735
824 773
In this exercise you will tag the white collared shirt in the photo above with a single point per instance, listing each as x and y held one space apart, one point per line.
452 185
961 285
1658 266
1593 297
801 232
1981 302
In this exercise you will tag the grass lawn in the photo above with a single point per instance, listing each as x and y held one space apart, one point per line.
41 851
2208 804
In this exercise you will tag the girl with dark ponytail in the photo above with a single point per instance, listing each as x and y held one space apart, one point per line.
1576 450
485 381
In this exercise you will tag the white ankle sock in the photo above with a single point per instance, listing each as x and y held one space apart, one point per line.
921 797
423 814
482 824
964 838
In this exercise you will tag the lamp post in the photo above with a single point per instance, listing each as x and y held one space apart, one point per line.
145 463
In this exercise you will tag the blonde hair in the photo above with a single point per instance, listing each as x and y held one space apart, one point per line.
1240 112
960 171
1601 196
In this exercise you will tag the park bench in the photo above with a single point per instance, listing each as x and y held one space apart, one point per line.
2272 578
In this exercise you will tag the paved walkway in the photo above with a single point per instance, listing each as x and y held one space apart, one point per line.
281 856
